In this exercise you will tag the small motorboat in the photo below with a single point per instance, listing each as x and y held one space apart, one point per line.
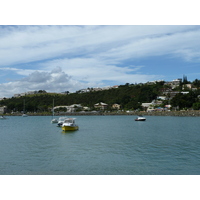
140 118
69 125
2 117
61 120
54 121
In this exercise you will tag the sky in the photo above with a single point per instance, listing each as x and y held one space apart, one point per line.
60 58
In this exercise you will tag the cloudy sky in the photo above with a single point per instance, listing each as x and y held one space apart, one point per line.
68 58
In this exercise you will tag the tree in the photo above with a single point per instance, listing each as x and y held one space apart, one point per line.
67 92
185 81
184 100
196 83
196 106
42 91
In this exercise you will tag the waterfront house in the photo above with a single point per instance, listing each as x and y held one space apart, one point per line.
71 108
101 105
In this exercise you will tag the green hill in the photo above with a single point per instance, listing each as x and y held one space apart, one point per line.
129 96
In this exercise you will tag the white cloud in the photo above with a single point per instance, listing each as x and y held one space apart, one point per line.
24 44
24 72
59 81
87 55
156 45
93 70
54 81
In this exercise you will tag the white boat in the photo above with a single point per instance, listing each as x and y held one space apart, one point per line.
61 120
53 121
69 125
140 118
2 117
24 115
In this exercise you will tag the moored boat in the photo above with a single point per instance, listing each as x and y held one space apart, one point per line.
54 121
140 118
69 125
2 117
61 120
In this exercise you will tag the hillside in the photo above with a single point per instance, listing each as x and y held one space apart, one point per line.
129 96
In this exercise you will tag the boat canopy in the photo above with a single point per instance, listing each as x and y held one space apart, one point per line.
69 120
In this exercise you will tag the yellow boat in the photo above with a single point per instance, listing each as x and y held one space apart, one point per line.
69 125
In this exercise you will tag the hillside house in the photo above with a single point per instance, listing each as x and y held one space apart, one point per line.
161 98
116 106
71 108
146 105
175 83
101 105
188 87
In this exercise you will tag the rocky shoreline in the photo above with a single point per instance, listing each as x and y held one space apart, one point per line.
193 113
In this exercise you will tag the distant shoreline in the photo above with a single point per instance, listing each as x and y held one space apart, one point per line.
194 113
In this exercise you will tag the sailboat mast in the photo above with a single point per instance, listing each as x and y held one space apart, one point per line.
53 120
24 107
53 108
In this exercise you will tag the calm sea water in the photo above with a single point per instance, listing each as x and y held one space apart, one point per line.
104 145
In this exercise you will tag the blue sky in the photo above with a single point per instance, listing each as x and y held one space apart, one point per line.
68 58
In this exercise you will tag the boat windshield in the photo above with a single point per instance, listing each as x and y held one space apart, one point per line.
69 120
62 118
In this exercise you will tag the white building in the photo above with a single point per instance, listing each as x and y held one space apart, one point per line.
3 109
162 98
71 108
146 105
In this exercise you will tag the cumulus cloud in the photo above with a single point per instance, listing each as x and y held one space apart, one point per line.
54 81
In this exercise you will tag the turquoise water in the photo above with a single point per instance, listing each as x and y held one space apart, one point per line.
103 145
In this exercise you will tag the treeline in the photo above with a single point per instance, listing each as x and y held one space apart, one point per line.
129 96
186 101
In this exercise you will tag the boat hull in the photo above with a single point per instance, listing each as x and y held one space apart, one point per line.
53 121
140 119
70 128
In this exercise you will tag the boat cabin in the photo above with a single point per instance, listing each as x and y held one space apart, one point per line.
70 120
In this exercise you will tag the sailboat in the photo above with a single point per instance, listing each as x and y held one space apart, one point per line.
24 115
53 121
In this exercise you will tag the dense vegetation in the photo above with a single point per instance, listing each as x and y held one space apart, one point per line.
129 96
